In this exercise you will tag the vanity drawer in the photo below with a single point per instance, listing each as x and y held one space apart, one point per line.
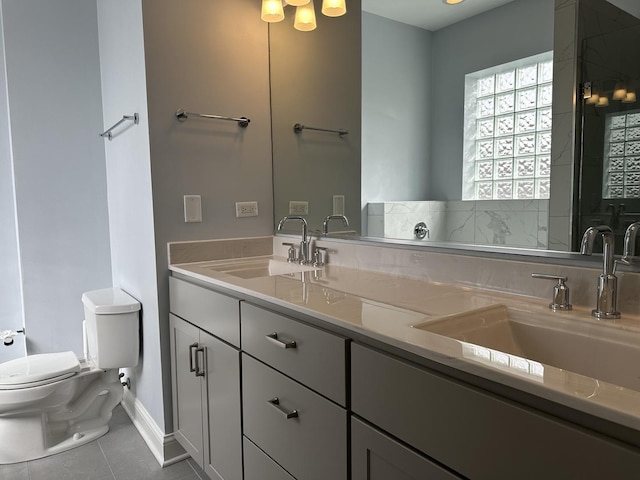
211 311
475 433
312 443
316 359
258 466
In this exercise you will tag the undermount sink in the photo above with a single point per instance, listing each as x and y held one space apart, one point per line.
264 267
585 346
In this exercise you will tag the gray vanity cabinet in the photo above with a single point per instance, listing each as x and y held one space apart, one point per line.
474 433
293 392
206 381
377 456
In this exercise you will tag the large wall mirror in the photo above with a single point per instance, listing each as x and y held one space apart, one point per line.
449 119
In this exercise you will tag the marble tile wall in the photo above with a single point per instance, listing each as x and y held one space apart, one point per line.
516 223
398 219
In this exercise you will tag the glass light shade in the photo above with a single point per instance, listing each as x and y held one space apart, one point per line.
272 11
334 8
297 3
629 98
602 102
619 92
452 2
593 99
305 20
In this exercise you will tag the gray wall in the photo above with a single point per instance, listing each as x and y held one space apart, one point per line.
214 66
130 189
53 96
396 101
315 80
516 30
11 292
218 64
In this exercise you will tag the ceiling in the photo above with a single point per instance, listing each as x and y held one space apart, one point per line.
429 14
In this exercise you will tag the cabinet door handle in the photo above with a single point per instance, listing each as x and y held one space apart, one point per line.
275 403
199 373
191 347
273 338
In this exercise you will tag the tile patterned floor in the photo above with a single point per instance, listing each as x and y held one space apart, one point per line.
119 455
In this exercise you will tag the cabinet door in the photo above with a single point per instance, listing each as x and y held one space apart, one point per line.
223 436
187 388
376 456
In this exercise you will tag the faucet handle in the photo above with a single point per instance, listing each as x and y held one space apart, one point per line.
291 254
560 291
318 256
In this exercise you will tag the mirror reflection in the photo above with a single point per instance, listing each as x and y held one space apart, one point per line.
610 186
434 154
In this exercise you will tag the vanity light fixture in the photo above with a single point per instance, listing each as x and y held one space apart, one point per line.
305 17
452 2
630 97
603 101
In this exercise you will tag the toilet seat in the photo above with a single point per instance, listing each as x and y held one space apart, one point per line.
36 370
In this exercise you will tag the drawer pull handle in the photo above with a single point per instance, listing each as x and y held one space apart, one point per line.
199 373
273 338
191 347
275 403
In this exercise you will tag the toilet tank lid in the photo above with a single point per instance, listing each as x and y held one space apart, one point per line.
35 368
109 301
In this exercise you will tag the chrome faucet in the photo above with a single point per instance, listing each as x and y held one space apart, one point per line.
606 299
305 257
325 223
630 243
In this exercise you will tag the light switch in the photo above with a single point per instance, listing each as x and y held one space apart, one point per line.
192 208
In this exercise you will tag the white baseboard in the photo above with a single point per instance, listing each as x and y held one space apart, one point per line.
163 446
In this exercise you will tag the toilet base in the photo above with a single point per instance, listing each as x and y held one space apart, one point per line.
30 429
29 435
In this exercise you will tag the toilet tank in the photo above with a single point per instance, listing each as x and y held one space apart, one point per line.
112 328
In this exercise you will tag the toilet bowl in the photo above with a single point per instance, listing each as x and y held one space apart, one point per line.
53 402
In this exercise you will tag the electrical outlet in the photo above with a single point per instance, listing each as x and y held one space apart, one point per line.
192 208
246 209
298 208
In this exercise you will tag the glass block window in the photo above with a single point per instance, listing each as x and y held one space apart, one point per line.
507 141
621 176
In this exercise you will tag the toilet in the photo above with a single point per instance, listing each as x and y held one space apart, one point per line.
53 402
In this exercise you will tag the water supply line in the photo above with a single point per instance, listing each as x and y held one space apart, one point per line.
7 336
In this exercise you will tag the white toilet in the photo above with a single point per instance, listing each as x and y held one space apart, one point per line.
52 402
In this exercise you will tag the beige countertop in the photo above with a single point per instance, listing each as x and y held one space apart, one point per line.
385 308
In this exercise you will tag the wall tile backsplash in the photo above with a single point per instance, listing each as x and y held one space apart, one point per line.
516 223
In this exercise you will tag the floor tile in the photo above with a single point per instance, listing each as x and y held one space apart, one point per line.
200 474
82 463
121 454
130 458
